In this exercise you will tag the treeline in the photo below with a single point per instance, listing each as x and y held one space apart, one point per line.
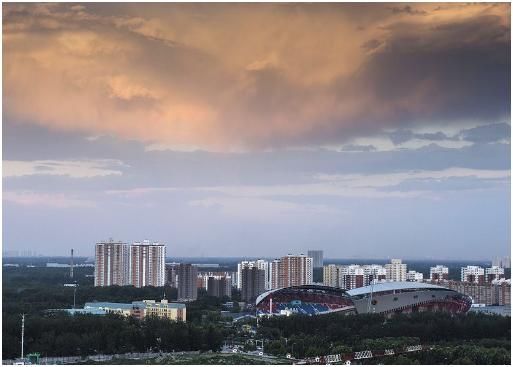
63 335
305 336
33 290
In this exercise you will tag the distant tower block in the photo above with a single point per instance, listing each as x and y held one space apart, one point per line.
71 265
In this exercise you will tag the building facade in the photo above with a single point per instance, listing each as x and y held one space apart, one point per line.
171 274
396 271
414 276
274 274
253 283
352 276
494 273
438 273
219 286
166 310
317 258
111 264
259 264
473 274
295 270
186 280
147 264
495 293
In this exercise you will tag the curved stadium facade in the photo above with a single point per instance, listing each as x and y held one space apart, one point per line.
305 300
406 297
386 298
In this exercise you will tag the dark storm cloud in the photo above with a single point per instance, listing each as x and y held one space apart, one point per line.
284 77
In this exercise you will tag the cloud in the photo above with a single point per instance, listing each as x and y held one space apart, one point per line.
261 209
28 198
75 169
357 148
487 133
234 77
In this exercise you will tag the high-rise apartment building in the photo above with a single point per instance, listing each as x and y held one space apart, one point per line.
473 274
259 264
317 258
274 274
414 276
171 274
111 264
219 286
147 264
253 283
330 275
295 270
186 279
438 273
494 273
396 271
502 262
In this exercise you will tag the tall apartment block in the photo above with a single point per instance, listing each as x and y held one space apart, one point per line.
502 262
330 275
473 274
253 283
274 274
438 273
187 276
219 286
494 273
171 274
259 264
396 271
317 258
111 264
295 270
147 264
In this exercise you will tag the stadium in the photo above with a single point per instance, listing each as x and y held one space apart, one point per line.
406 297
385 298
304 300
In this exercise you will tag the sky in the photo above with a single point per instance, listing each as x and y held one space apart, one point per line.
365 130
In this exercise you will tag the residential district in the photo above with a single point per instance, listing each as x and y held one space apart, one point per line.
285 286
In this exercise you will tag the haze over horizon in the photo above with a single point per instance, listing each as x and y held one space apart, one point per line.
365 130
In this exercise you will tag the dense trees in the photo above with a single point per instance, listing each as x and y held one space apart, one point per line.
63 335
305 336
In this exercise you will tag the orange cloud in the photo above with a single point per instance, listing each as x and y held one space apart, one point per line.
240 76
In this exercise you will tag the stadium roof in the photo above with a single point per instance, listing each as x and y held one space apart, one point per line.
391 286
300 287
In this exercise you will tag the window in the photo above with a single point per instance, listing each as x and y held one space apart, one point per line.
395 298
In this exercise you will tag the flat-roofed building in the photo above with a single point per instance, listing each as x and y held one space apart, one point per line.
166 310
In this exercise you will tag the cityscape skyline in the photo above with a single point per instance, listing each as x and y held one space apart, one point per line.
366 130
